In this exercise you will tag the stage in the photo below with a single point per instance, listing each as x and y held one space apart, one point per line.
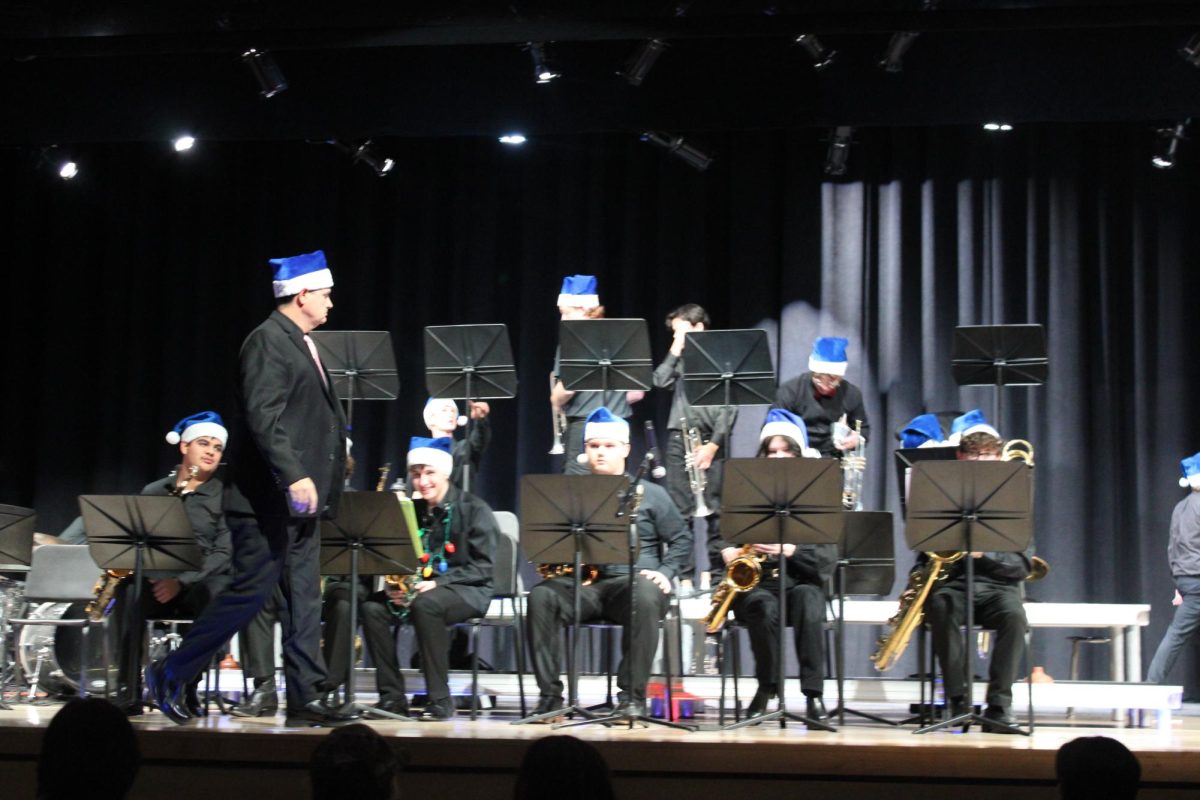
222 756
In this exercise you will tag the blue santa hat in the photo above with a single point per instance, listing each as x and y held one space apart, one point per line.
306 271
781 422
579 290
433 404
204 423
923 430
602 424
971 422
1191 471
431 453
828 356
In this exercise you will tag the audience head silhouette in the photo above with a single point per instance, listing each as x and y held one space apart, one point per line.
563 766
355 761
89 750
1096 766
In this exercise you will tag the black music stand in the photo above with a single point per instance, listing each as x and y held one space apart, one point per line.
16 548
599 355
360 365
970 506
905 457
999 356
788 501
368 537
724 368
867 566
469 362
572 519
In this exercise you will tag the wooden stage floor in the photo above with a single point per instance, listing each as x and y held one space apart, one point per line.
222 756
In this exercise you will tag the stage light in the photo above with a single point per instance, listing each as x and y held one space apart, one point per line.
821 56
365 154
691 155
264 69
1191 51
840 139
638 65
1168 145
184 143
68 170
513 138
893 57
543 71
997 126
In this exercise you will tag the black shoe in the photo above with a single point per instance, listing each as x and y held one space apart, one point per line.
630 708
814 708
129 709
262 702
331 699
998 714
548 703
958 707
438 710
314 715
191 701
758 706
166 694
394 705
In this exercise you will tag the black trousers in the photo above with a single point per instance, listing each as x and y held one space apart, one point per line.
376 619
267 552
997 607
551 606
758 610
257 640
429 614
679 488
131 616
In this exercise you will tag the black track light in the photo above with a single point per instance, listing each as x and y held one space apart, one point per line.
691 155
840 139
543 71
1168 145
264 69
638 65
821 56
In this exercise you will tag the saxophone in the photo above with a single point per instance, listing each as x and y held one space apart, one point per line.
742 574
402 583
697 480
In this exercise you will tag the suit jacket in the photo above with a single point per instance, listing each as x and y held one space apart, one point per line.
203 508
289 425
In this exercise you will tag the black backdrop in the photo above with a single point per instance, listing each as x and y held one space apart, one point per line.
128 291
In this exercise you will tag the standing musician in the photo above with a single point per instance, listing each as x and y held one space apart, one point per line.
289 472
825 400
809 567
998 591
201 439
713 424
442 419
1183 552
579 300
551 604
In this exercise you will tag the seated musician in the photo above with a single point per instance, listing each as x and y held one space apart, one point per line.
808 568
201 439
551 604
998 604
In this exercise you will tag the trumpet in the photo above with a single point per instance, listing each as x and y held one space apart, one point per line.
854 464
697 480
560 425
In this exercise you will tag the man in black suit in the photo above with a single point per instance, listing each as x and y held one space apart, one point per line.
286 472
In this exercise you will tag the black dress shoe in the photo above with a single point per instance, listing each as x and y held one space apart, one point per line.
630 708
758 706
394 705
814 708
191 701
998 714
438 710
314 715
547 704
262 702
166 694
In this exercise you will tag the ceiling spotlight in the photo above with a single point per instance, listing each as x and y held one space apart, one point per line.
365 153
638 65
691 155
68 170
184 143
513 138
821 56
543 71
997 126
1168 145
840 139
268 74
893 57
1191 50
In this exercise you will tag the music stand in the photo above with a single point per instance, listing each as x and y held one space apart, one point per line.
970 506
999 356
360 365
724 368
573 519
599 355
369 537
469 362
143 533
16 537
867 566
789 501
904 459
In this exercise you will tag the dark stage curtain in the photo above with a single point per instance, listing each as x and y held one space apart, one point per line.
128 291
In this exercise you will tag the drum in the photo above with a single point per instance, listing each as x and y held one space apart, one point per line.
12 599
53 653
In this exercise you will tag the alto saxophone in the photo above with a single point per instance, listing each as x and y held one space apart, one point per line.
697 480
742 574
406 584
